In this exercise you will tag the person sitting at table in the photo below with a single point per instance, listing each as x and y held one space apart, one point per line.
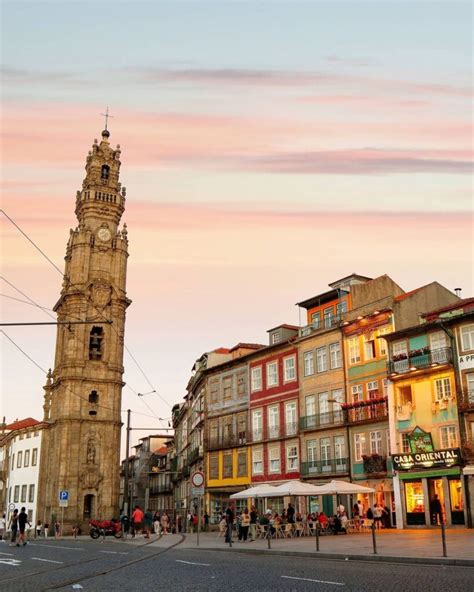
344 520
323 520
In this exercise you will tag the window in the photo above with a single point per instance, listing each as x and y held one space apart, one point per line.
274 459
325 454
95 343
373 389
341 308
26 462
93 397
213 391
28 434
443 389
213 433
273 422
213 466
227 387
356 391
13 461
31 494
328 317
448 438
359 444
467 337
399 348
227 474
406 443
292 463
105 171
276 337
338 397
256 378
405 396
257 424
19 458
308 363
354 350
227 431
24 491
257 461
470 387
438 340
369 348
311 452
242 463
16 494
321 359
241 384
290 368
272 374
310 410
242 428
340 451
34 457
382 343
316 319
290 417
335 355
323 408
376 442
385 387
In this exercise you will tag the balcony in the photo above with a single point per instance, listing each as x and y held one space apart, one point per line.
374 463
324 325
226 441
322 420
419 359
185 472
325 467
195 454
274 432
366 411
466 399
161 488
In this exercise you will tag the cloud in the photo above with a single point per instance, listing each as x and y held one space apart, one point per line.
18 76
350 61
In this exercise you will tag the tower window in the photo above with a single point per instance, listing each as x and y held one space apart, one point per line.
95 343
93 397
104 174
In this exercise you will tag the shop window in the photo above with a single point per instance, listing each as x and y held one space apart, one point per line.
456 500
415 502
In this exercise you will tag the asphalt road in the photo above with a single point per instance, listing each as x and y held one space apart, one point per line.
100 567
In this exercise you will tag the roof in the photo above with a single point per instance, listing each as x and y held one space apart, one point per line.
320 299
284 326
353 275
29 422
454 306
246 346
220 350
407 294
162 450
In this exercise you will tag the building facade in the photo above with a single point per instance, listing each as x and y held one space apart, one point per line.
82 409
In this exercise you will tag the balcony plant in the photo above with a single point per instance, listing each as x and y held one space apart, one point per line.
374 463
399 357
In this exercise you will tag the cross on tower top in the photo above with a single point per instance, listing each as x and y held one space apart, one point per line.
106 115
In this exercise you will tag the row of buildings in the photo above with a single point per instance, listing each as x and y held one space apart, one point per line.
375 387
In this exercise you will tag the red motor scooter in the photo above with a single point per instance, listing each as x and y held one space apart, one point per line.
105 528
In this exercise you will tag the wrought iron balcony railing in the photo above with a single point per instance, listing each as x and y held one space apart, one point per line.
366 411
273 432
325 467
225 441
322 420
419 359
466 399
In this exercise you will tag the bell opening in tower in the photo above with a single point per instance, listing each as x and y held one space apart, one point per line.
95 343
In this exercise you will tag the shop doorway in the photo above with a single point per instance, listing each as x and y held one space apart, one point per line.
415 503
456 503
435 490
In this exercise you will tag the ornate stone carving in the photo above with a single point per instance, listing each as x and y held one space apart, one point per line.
101 294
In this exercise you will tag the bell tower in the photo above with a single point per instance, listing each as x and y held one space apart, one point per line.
81 446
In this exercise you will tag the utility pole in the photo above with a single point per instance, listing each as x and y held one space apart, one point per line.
126 477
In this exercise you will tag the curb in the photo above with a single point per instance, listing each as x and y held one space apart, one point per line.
345 557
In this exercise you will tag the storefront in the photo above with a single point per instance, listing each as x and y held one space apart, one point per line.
426 477
217 502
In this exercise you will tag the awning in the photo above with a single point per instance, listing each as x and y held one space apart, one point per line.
297 488
342 488
257 491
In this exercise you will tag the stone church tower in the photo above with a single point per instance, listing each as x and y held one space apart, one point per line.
81 447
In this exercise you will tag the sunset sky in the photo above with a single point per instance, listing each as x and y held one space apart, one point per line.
268 148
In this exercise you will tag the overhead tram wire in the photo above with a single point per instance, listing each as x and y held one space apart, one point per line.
88 299
35 363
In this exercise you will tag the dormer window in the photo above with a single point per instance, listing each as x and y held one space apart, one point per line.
105 172
276 337
95 343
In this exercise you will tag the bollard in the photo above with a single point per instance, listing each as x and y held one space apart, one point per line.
443 537
230 535
269 537
374 542
317 536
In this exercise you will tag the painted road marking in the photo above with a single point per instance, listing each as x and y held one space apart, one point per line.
48 560
14 562
114 552
310 580
55 547
10 554
191 562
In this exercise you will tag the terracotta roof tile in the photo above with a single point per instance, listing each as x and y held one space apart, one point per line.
22 423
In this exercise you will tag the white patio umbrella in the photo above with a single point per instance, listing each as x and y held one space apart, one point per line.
342 488
295 488
256 491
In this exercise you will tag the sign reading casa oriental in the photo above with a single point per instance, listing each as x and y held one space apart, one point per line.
448 457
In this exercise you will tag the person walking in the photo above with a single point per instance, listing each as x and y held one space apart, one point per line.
3 525
229 520
13 527
253 523
290 514
244 525
436 511
164 523
206 521
148 521
137 520
39 528
156 523
378 512
22 522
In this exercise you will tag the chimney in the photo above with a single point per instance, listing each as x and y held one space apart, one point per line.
458 292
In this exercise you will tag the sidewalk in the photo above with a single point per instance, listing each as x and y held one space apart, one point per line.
414 546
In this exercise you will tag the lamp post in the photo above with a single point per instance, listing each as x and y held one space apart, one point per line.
348 439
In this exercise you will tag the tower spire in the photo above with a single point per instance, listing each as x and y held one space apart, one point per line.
106 115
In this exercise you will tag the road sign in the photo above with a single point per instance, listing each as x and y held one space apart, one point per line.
197 479
11 506
197 491
64 496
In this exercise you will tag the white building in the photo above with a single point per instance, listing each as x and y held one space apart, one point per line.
21 445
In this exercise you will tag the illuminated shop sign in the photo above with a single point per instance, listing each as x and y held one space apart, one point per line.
427 460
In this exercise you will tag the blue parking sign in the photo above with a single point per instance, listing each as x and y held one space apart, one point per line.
63 496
